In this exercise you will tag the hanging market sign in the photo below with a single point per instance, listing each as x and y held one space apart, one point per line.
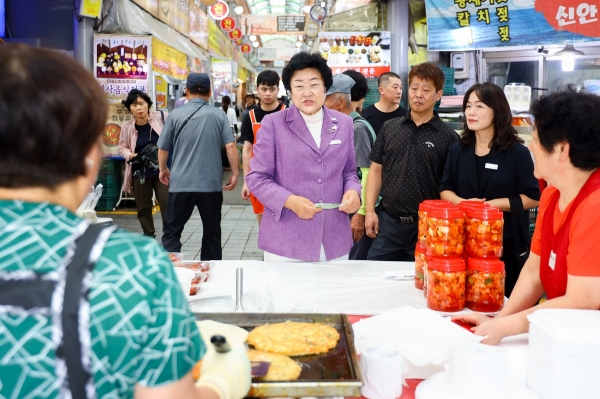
235 34
290 23
176 14
219 10
121 63
218 43
167 60
90 8
198 25
227 24
366 52
246 48
272 24
475 24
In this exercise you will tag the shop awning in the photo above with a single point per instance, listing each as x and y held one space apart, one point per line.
124 16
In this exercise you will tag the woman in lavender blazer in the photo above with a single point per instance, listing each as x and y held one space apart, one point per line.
304 156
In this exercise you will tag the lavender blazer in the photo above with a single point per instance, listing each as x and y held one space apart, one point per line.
287 161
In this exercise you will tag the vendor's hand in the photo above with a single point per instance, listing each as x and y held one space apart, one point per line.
491 328
357 223
475 199
228 374
352 202
372 224
133 155
231 182
164 176
303 207
245 192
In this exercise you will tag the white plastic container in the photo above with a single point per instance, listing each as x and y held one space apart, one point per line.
185 277
564 353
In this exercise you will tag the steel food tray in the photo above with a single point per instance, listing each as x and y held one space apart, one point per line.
335 373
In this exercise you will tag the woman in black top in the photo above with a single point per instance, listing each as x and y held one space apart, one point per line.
136 134
490 164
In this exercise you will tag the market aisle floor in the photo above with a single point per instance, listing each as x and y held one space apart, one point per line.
239 229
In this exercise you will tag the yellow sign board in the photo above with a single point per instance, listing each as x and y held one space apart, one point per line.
216 38
91 8
167 60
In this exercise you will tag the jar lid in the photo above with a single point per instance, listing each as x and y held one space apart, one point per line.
485 265
464 205
420 250
427 204
446 264
488 213
445 212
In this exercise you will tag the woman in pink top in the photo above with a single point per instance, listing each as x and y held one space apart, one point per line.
141 131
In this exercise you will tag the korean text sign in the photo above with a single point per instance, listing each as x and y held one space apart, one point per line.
475 24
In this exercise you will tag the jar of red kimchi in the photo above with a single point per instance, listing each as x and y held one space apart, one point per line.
422 226
446 284
420 263
483 232
485 284
445 231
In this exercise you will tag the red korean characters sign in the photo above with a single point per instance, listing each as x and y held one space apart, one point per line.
227 24
246 48
235 34
576 16
219 10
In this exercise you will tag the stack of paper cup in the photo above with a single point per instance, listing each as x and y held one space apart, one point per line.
383 372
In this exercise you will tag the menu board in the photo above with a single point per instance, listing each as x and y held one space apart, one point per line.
121 63
366 52
290 23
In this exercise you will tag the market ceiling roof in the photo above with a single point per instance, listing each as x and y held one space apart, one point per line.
265 7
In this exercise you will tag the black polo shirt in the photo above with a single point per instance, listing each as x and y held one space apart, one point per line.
412 159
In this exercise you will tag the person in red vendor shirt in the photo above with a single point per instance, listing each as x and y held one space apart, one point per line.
564 256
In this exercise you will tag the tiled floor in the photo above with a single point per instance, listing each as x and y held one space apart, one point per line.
239 232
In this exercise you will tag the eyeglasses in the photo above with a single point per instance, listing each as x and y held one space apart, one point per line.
266 89
313 87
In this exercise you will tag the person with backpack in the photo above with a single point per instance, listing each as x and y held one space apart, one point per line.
138 135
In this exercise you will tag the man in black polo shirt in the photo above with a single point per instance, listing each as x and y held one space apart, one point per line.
408 161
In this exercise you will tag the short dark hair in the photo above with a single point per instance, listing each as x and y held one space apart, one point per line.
384 78
132 97
49 120
360 88
303 60
570 117
493 96
428 71
267 78
249 95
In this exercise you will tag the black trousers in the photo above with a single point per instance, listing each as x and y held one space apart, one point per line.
513 265
143 201
360 250
396 241
179 209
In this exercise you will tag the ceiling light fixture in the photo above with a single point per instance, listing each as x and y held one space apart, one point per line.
568 57
252 38
323 4
255 44
298 44
238 10
299 38
306 9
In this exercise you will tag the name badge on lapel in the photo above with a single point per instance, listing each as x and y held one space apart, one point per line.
333 142
552 260
491 166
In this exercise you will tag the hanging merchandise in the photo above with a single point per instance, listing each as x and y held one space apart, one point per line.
227 24
219 10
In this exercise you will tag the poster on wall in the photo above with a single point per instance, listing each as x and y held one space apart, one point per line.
90 8
476 24
221 74
161 87
366 52
198 25
176 14
168 61
117 116
121 63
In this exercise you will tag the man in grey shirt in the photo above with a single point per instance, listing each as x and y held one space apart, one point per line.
195 133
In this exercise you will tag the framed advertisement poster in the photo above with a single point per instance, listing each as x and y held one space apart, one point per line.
122 63
366 52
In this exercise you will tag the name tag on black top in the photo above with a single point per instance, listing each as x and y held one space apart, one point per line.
491 166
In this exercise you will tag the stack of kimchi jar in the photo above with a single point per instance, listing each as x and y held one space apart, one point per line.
484 226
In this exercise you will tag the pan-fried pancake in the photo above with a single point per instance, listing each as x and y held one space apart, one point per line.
282 367
294 338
